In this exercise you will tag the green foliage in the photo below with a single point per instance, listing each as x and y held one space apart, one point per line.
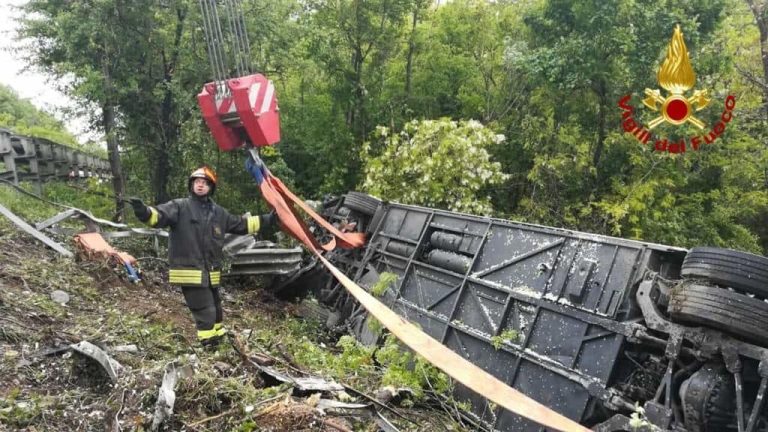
23 118
507 336
545 73
90 195
18 412
23 206
375 326
386 280
353 358
403 369
438 163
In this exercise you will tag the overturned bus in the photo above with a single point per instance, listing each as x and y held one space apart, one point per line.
597 328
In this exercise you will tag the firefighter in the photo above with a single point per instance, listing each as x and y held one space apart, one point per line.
197 227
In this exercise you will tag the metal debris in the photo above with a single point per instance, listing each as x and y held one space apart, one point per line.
257 258
35 233
333 405
166 396
301 384
383 423
110 365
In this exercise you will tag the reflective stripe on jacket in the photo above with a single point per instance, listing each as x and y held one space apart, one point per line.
197 228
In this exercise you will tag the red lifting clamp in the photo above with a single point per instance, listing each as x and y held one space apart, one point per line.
244 114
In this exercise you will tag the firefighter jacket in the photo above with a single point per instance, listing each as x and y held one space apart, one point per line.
197 227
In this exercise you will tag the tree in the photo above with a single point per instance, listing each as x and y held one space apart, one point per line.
24 118
759 10
354 42
82 40
437 163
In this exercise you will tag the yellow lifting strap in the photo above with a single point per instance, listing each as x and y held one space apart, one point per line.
453 364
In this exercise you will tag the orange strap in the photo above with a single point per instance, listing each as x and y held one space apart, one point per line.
94 244
282 200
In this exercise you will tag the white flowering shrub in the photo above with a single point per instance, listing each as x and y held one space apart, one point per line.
435 163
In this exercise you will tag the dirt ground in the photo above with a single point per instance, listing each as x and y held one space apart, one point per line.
45 387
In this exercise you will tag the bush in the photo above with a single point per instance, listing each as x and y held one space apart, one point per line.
436 163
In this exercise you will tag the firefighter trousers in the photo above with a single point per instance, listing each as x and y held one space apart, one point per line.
205 304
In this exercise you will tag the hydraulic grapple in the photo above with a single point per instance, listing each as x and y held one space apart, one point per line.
241 112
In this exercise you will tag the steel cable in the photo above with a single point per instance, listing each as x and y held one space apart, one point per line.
216 41
237 51
209 39
213 47
243 33
223 58
238 43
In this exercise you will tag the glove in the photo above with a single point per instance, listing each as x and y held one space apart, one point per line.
255 168
139 209
268 221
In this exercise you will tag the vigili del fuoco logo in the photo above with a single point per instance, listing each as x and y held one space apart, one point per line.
676 76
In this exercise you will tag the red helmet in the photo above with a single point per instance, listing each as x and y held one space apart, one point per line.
204 172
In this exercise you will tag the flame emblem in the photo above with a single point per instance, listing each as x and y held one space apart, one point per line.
677 77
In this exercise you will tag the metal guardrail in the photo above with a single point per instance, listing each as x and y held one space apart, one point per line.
39 159
251 257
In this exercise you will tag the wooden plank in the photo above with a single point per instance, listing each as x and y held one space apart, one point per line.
34 233
55 219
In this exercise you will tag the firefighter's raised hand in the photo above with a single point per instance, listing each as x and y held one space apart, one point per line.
139 209
268 220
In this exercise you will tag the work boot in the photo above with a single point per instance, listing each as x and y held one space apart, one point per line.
212 343
219 329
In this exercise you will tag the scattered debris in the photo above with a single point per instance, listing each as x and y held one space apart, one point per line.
311 384
34 233
60 297
93 245
110 365
131 348
335 406
383 423
393 395
144 327
166 396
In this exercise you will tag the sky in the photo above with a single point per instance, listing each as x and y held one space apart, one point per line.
34 86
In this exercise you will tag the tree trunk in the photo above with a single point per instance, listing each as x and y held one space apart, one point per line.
356 115
169 126
160 184
409 56
601 108
758 10
108 123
